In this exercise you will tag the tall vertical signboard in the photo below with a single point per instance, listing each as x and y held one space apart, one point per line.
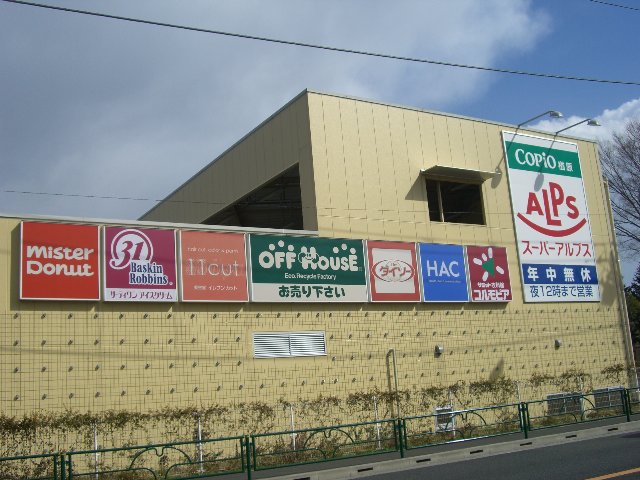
306 269
555 248
393 272
139 265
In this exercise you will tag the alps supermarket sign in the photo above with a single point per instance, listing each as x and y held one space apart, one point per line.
304 269
551 218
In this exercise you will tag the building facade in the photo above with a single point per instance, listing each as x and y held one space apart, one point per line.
526 214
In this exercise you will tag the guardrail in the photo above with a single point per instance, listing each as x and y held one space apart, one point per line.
246 454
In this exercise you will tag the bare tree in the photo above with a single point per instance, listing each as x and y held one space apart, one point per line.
621 165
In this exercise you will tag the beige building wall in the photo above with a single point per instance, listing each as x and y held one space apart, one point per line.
66 358
278 144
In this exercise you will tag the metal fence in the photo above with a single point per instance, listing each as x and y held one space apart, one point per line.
32 467
456 425
246 454
313 445
180 460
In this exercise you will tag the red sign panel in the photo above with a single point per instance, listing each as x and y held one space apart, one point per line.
140 265
59 262
393 272
213 267
488 274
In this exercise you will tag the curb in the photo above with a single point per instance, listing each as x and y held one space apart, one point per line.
463 454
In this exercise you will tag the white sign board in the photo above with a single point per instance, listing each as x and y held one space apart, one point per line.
555 248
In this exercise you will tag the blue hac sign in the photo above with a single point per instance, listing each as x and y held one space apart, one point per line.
443 271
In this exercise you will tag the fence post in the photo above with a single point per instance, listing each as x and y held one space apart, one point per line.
523 409
398 428
248 449
70 465
626 402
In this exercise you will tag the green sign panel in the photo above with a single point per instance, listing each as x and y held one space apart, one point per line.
542 159
304 269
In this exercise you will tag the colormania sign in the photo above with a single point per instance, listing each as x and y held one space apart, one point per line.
489 279
551 218
213 267
59 261
304 269
393 272
139 265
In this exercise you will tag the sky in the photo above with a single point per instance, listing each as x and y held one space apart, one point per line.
95 106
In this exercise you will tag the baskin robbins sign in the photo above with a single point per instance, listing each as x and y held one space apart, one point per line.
551 218
139 265
305 269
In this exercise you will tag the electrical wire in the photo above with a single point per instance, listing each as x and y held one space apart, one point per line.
615 5
326 47
107 197
354 214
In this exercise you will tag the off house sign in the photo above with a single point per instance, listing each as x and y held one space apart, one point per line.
303 269
551 218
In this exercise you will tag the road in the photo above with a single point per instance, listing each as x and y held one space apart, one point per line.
611 458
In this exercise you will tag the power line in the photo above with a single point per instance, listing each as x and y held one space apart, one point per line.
105 197
615 5
360 212
328 48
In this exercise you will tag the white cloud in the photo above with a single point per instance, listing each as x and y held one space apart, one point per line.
113 108
611 121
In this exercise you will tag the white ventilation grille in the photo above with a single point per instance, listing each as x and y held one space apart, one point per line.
288 344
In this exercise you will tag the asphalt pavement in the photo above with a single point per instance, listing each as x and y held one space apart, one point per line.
596 452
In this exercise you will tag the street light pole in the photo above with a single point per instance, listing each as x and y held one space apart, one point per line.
589 121
551 113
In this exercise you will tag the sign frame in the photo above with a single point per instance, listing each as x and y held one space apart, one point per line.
464 266
490 249
385 297
106 256
355 292
181 296
98 263
555 164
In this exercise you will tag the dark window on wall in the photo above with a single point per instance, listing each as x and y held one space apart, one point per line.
455 202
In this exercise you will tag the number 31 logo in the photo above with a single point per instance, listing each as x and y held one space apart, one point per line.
130 245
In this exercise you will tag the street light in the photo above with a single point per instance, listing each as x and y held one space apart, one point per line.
589 121
551 113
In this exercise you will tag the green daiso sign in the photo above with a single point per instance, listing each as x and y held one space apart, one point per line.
305 269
